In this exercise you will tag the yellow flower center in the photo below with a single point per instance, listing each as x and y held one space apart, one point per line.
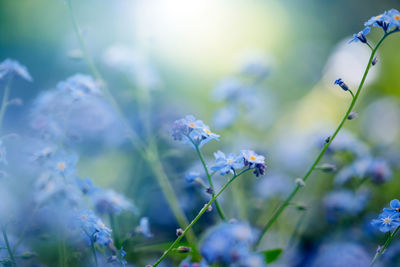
84 217
253 158
61 166
192 124
230 161
207 131
387 220
100 224
397 17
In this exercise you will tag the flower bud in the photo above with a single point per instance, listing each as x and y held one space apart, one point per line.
179 232
352 115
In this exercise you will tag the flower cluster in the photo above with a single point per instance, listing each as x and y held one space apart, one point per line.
93 228
192 131
10 67
389 218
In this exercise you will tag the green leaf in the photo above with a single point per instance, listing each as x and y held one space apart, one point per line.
272 254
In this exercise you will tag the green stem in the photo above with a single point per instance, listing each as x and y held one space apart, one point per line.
10 252
283 206
4 102
135 140
380 251
219 209
114 228
202 211
93 252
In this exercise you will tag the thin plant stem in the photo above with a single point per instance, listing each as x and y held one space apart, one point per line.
283 206
202 211
381 250
219 209
93 249
148 153
10 252
4 101
115 229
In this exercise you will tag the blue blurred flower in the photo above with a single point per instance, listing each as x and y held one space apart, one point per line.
225 117
11 67
361 36
344 202
118 258
229 163
341 254
229 89
86 185
192 131
188 263
386 221
255 161
93 228
227 244
341 83
110 202
79 86
273 185
376 169
394 18
63 164
144 228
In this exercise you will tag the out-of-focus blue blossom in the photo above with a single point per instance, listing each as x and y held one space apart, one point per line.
192 131
274 185
144 228
227 244
341 83
111 202
344 203
394 207
346 141
257 68
135 64
3 153
63 164
225 117
386 221
252 260
118 258
79 86
93 228
86 185
43 154
188 263
361 36
10 67
192 176
227 163
341 254
255 161
229 89
376 169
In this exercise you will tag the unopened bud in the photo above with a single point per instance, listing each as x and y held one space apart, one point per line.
374 61
210 191
300 182
352 115
327 167
179 232
28 255
328 139
183 249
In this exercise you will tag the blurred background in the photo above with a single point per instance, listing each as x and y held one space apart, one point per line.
259 73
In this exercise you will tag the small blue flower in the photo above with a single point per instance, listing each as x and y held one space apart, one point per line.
11 67
110 202
93 228
255 161
86 185
225 164
361 36
341 84
394 207
144 228
118 258
63 164
382 21
192 131
192 176
79 86
386 221
394 18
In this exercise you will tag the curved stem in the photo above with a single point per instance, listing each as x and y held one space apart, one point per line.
219 209
10 252
283 206
149 153
381 250
202 211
